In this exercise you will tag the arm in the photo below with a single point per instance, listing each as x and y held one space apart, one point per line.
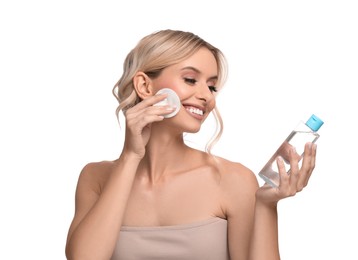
264 241
100 208
252 211
98 217
239 186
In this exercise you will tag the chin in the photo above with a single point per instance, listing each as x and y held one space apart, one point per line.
193 130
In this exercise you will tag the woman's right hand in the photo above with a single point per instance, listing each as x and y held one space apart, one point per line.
139 119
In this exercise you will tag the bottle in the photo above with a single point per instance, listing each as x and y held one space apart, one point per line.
301 134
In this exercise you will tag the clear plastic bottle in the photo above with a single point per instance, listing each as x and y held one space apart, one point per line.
302 134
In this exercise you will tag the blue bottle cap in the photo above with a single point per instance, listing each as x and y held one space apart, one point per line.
314 123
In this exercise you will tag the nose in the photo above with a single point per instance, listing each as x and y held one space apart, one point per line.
204 93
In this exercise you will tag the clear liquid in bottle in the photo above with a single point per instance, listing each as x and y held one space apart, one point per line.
302 134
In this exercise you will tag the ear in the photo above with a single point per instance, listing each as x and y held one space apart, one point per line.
143 85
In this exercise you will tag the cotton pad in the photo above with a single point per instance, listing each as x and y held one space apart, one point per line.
172 100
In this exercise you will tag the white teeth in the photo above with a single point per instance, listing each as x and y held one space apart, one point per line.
195 111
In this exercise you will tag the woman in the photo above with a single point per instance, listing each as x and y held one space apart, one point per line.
162 199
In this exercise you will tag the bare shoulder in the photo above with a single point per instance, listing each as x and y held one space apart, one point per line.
89 186
236 174
238 186
95 174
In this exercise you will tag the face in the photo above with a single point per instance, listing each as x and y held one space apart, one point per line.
194 80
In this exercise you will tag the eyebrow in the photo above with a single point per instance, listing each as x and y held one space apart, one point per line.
198 71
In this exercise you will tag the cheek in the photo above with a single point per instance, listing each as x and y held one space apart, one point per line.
181 91
167 83
177 86
210 107
211 104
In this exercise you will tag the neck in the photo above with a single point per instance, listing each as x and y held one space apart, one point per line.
164 155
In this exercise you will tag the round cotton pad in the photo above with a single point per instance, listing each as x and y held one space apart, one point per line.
172 100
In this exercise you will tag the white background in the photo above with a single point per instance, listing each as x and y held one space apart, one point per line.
287 59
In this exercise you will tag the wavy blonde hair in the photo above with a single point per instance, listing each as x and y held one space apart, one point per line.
154 53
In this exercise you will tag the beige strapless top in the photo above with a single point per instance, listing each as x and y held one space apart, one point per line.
204 240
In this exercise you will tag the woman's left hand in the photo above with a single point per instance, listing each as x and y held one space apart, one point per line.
292 182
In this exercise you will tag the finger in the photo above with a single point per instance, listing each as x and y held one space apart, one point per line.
142 119
285 188
294 167
150 101
137 113
312 151
284 177
148 120
146 107
307 158
149 113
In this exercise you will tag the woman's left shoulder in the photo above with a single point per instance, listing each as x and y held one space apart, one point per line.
238 185
235 175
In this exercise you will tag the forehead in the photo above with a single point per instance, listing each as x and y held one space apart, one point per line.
202 60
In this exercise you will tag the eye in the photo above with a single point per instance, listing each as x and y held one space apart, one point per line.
213 89
190 81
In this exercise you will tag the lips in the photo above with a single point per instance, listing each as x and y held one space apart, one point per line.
194 110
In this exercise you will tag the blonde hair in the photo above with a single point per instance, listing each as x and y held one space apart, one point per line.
154 53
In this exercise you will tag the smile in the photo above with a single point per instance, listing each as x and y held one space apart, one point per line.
195 110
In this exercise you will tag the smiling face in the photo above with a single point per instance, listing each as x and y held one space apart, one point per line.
194 80
183 62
